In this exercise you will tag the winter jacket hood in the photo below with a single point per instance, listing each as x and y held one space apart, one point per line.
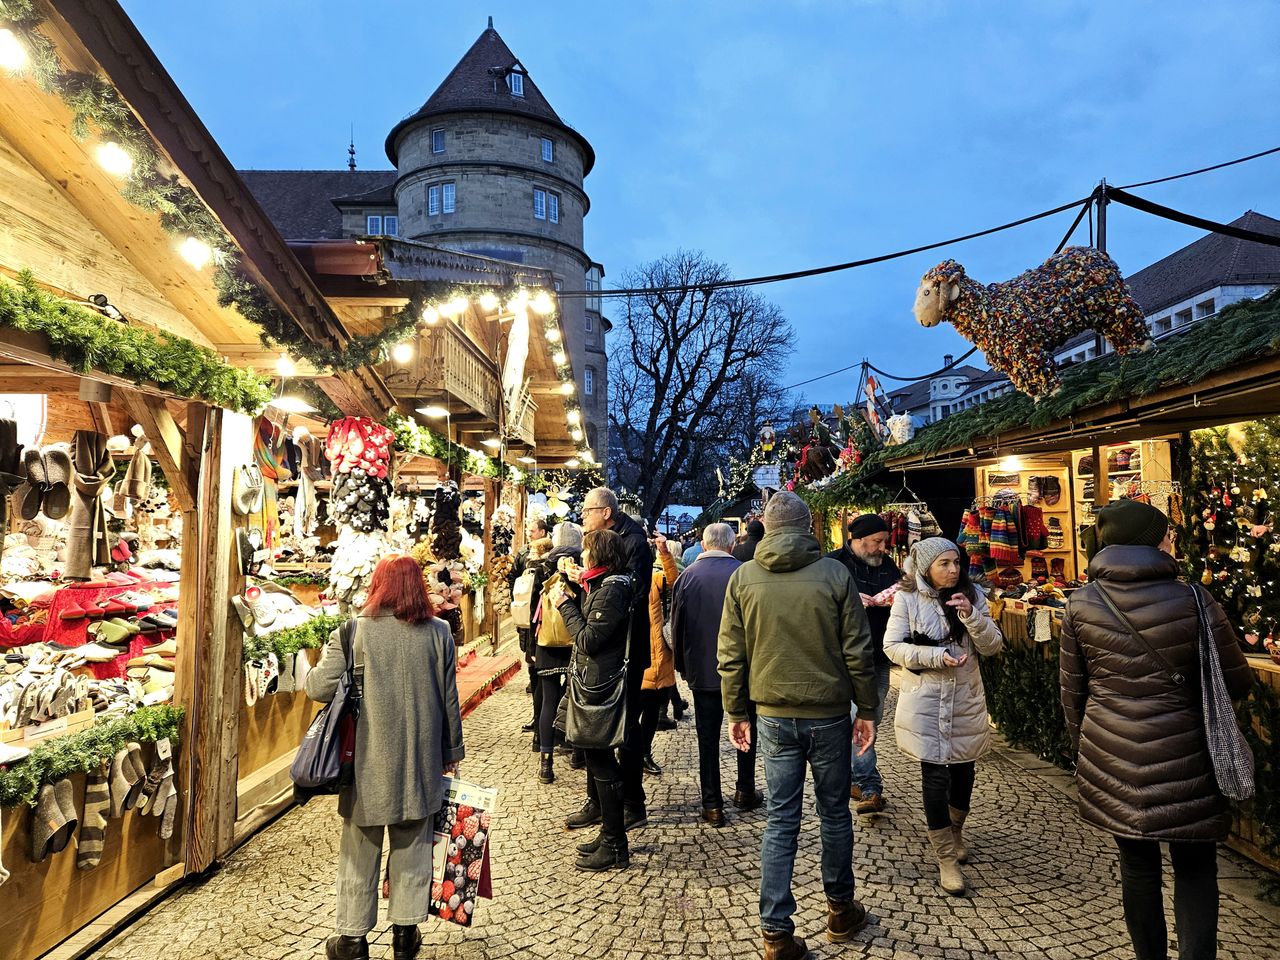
1143 769
787 550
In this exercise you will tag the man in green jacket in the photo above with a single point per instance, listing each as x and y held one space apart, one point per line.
794 640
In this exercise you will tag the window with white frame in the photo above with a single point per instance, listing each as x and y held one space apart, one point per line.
373 225
433 200
450 192
548 150
553 207
590 324
391 226
589 381
515 82
540 204
437 140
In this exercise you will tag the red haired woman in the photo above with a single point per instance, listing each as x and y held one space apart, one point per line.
409 735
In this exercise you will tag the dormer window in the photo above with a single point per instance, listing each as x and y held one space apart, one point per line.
515 81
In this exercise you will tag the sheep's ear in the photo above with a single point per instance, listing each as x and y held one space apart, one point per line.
953 292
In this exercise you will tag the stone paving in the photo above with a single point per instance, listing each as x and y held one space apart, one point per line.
1043 884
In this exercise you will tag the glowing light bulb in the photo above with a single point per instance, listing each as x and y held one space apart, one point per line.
574 418
543 303
285 366
489 302
13 54
567 388
402 353
576 434
572 464
196 252
553 335
114 159
518 302
459 305
493 443
430 316
434 412
559 358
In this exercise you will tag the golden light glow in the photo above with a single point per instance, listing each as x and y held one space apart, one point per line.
576 434
196 252
543 303
553 335
402 353
430 316
574 417
559 358
572 464
13 55
493 443
526 460
114 159
1010 465
567 388
434 412
285 366
292 405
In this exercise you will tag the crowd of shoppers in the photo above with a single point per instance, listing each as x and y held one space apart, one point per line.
794 648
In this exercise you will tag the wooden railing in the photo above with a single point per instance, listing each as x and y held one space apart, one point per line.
445 359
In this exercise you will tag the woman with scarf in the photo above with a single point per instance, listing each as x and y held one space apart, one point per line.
597 614
938 625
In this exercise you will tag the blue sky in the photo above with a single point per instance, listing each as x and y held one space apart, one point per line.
785 134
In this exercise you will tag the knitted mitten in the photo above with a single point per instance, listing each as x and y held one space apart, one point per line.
93 829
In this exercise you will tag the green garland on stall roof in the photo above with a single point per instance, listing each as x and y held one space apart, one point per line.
44 65
88 341
311 635
84 752
412 437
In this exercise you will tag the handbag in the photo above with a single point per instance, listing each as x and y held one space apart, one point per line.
325 761
596 717
1228 749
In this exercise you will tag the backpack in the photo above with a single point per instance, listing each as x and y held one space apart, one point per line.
553 632
522 600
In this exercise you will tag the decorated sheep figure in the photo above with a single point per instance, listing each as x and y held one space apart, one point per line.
1019 324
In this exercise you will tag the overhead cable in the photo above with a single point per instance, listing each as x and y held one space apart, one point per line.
1192 173
1118 195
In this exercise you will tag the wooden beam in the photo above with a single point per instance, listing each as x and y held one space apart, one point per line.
166 442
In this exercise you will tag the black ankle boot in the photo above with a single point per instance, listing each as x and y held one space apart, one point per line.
613 851
588 816
578 760
406 942
545 773
589 846
347 948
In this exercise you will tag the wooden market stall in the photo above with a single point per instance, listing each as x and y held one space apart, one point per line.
123 232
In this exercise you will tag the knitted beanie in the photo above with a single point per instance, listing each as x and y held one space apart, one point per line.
786 510
867 525
925 552
1131 523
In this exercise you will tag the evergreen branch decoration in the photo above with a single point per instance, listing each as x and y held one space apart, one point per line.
412 437
87 341
312 635
86 751
1024 697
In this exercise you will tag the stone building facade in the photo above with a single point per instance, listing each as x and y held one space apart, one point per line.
485 166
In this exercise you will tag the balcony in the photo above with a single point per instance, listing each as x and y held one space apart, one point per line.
447 364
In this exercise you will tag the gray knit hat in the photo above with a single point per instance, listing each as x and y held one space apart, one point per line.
925 552
785 509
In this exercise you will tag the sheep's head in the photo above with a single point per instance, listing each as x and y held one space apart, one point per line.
938 289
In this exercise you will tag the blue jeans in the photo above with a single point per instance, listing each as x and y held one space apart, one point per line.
866 777
786 745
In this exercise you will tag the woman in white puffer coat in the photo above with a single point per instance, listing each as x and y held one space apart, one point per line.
940 622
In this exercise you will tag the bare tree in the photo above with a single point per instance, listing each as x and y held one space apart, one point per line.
679 370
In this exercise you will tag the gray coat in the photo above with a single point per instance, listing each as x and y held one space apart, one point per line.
410 725
942 711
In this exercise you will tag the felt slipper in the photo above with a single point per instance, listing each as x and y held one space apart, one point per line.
269 675
129 625
65 796
121 779
46 821
57 497
139 776
152 660
114 607
165 648
73 612
110 633
30 497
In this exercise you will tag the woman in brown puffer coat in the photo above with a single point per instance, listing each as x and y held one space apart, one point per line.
1144 772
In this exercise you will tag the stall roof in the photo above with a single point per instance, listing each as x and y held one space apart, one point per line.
1222 369
84 204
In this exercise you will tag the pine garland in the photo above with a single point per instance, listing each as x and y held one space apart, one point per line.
311 635
411 437
86 751
88 341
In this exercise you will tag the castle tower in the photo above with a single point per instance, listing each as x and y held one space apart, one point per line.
486 166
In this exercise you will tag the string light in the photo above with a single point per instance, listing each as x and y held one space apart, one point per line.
402 352
493 443
574 417
196 252
576 434
114 159
489 302
572 464
567 388
553 335
543 303
430 316
13 54
560 358
285 366
434 412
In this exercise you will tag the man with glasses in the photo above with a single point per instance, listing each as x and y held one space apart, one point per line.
600 511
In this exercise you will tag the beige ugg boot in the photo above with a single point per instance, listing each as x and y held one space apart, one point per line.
944 848
957 831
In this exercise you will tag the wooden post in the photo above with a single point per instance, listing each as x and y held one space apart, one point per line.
492 497
218 674
1101 484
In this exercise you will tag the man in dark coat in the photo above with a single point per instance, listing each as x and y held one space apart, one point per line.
535 529
600 511
696 605
874 572
746 550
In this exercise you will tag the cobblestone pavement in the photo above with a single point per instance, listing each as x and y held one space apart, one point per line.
1044 885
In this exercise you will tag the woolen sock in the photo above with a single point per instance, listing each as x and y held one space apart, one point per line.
139 776
170 814
122 780
159 780
93 828
46 820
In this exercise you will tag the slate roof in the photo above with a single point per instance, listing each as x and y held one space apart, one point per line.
917 394
1212 261
479 82
301 202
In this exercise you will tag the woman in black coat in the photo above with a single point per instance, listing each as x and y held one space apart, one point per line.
1144 772
597 614
553 660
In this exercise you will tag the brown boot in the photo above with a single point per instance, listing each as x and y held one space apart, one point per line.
780 945
844 920
944 848
957 828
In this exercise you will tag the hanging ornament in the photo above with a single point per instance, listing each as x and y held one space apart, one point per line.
1226 500
1207 577
1212 522
1235 488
